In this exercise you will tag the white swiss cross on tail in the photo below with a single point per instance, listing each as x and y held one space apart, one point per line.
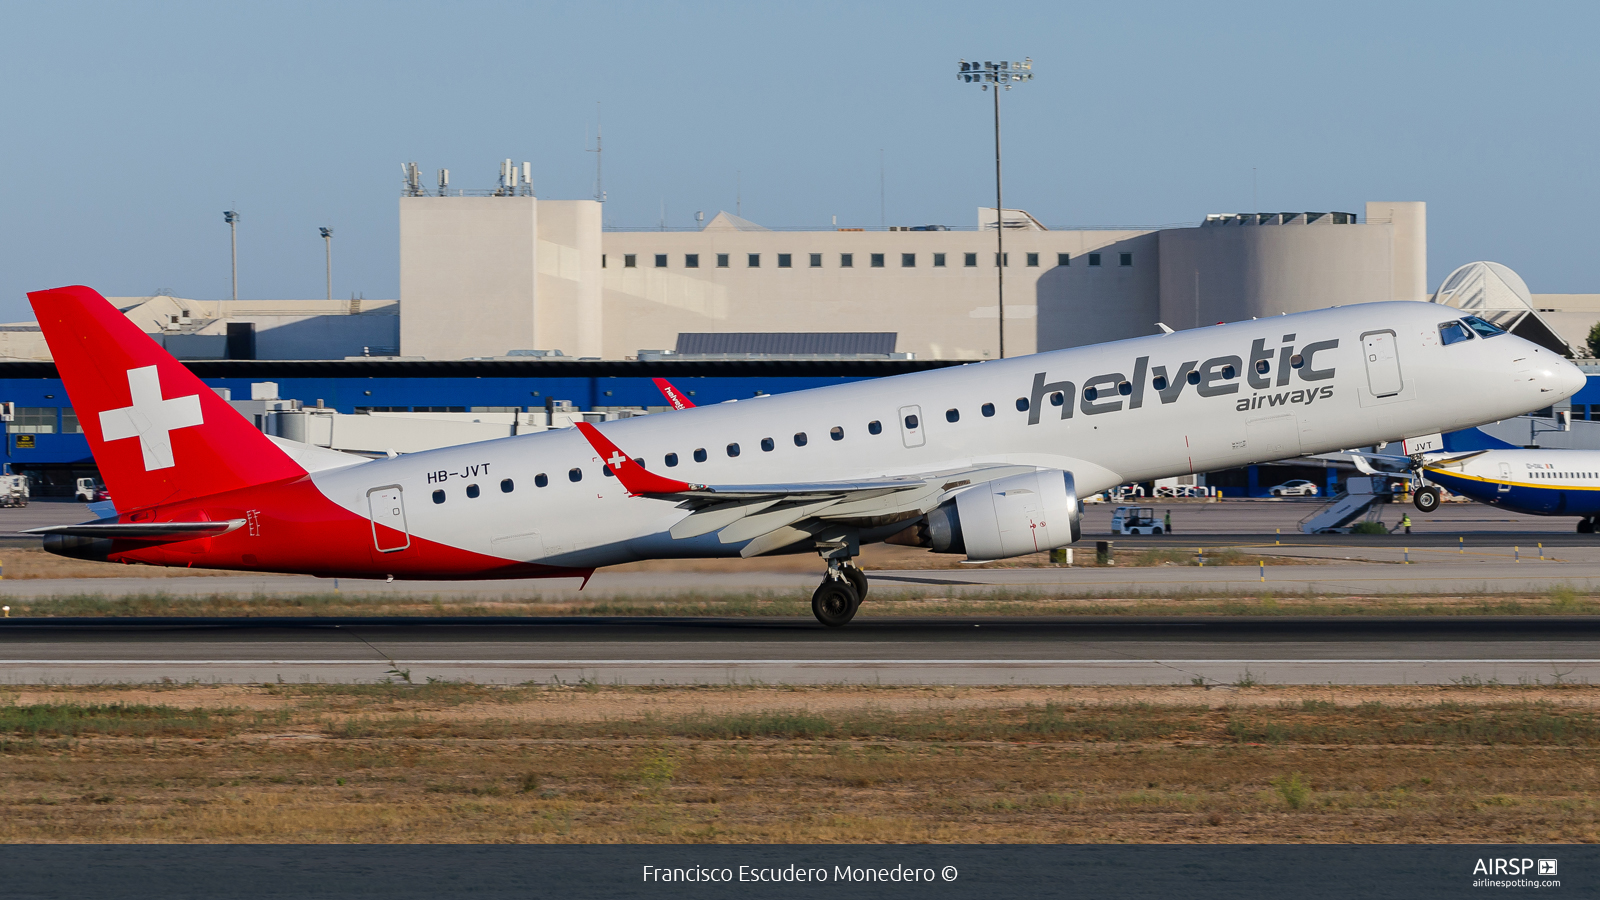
150 419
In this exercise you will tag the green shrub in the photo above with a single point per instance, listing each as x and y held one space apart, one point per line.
1294 789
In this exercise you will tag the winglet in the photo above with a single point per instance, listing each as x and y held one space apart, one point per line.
633 476
673 395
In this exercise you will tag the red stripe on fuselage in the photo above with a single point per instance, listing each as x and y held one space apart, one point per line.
291 527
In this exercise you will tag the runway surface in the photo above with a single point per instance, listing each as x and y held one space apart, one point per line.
1213 651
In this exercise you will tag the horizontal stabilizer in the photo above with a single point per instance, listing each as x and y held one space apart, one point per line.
142 531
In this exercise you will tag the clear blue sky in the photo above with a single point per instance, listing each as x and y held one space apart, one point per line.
129 128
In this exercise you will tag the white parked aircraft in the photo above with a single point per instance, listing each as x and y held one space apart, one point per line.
987 459
1535 482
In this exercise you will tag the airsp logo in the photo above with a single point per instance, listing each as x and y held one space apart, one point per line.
1503 866
1215 377
150 419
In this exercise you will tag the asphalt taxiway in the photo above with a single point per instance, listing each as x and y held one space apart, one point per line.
1484 571
1212 651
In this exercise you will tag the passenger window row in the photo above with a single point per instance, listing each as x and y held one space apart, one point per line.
506 487
801 439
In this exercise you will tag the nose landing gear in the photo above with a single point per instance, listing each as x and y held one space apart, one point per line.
1426 499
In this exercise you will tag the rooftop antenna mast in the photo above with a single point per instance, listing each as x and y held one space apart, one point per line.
883 208
413 176
599 170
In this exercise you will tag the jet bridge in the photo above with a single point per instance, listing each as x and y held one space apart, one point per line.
1360 498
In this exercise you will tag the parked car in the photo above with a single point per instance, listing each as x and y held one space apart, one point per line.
1299 487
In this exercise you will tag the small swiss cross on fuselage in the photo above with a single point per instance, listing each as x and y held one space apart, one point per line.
616 459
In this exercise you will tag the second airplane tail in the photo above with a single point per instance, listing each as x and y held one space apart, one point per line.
157 432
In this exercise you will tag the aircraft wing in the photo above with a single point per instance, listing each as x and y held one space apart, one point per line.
142 531
1404 463
774 516
1449 459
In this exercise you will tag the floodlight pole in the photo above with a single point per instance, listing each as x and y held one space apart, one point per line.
327 239
232 218
999 230
987 75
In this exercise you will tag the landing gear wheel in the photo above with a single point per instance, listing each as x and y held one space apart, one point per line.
858 580
1426 499
835 602
1586 526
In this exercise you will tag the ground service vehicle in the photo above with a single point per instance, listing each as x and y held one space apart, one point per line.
89 491
13 490
1135 520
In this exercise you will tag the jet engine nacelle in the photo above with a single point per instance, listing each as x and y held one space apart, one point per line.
1009 517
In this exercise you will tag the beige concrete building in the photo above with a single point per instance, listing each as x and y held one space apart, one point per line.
242 329
486 276
510 274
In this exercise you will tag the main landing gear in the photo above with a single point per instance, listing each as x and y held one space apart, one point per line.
1586 526
844 586
1426 499
840 594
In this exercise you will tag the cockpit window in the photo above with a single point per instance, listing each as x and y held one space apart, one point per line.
1454 332
1482 327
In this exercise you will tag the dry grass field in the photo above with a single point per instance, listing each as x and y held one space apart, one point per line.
462 763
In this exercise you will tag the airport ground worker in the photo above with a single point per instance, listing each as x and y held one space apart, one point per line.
1405 522
1166 522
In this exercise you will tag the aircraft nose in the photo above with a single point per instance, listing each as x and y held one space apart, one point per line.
1567 378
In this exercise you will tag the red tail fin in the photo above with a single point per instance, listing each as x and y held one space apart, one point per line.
156 431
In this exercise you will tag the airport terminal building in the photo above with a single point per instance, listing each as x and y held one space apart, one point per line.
518 313
489 276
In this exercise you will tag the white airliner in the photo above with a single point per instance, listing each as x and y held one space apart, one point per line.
1536 482
987 459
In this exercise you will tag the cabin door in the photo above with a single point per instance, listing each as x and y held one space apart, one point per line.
1383 363
388 509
